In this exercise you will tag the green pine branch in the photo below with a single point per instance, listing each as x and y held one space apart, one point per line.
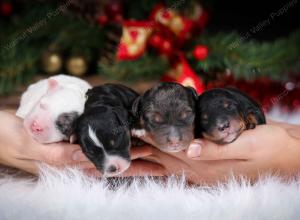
251 59
145 68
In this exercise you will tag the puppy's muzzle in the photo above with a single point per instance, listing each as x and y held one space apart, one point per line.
115 165
223 126
225 131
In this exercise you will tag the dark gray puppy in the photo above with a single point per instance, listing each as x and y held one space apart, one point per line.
165 116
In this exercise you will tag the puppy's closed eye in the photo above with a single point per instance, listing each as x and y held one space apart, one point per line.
155 117
204 116
112 142
185 114
229 105
158 118
226 104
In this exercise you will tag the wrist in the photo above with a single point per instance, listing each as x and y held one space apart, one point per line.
5 158
292 164
294 131
10 138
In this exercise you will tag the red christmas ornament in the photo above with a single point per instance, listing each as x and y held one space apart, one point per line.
114 8
166 47
203 20
198 15
118 18
155 40
166 14
102 19
200 52
6 8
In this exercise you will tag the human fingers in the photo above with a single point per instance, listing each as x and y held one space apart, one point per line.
144 168
92 172
142 151
242 148
59 153
78 165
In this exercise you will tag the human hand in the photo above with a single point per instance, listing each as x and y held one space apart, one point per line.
19 150
265 149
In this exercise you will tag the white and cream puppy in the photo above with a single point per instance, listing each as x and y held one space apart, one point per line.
50 107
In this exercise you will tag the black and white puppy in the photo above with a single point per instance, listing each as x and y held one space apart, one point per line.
103 129
165 116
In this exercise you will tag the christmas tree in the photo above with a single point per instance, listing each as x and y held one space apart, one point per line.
145 40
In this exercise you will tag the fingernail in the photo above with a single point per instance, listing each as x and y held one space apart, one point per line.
78 156
194 150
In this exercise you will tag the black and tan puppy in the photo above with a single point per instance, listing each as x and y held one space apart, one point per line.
103 129
166 116
224 113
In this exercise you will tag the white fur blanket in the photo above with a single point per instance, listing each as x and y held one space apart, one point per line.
71 195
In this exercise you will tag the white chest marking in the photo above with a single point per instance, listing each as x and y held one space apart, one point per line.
94 138
138 132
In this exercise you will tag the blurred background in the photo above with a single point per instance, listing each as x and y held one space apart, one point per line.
251 45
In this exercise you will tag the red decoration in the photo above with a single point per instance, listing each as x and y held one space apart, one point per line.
6 8
182 73
171 29
102 19
118 18
200 52
199 17
155 40
113 8
171 19
203 19
166 47
274 93
134 39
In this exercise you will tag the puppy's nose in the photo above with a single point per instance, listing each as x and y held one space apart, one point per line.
173 139
36 128
116 165
223 126
112 169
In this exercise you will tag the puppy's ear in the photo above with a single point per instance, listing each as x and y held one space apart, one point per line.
192 93
136 106
122 116
89 93
66 122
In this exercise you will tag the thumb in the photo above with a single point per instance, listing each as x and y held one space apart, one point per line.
241 148
61 153
264 138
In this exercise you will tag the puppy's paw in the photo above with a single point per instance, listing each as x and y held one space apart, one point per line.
138 133
251 121
251 126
